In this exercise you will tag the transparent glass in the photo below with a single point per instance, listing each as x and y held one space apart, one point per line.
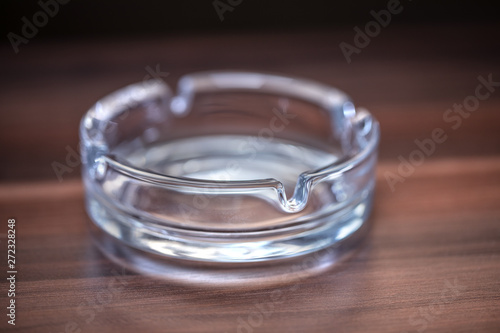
232 167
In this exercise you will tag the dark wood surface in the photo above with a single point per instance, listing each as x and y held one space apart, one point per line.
430 263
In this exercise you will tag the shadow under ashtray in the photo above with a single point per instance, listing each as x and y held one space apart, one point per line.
226 275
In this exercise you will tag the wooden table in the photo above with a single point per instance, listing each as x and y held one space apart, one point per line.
431 262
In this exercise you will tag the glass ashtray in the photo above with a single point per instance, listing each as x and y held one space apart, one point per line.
231 167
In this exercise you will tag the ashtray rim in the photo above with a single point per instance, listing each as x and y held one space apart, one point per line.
331 99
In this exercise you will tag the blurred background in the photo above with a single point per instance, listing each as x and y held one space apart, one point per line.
114 18
83 50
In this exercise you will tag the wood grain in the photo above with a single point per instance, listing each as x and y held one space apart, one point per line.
430 263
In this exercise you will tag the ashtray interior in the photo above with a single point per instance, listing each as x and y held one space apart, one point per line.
230 158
